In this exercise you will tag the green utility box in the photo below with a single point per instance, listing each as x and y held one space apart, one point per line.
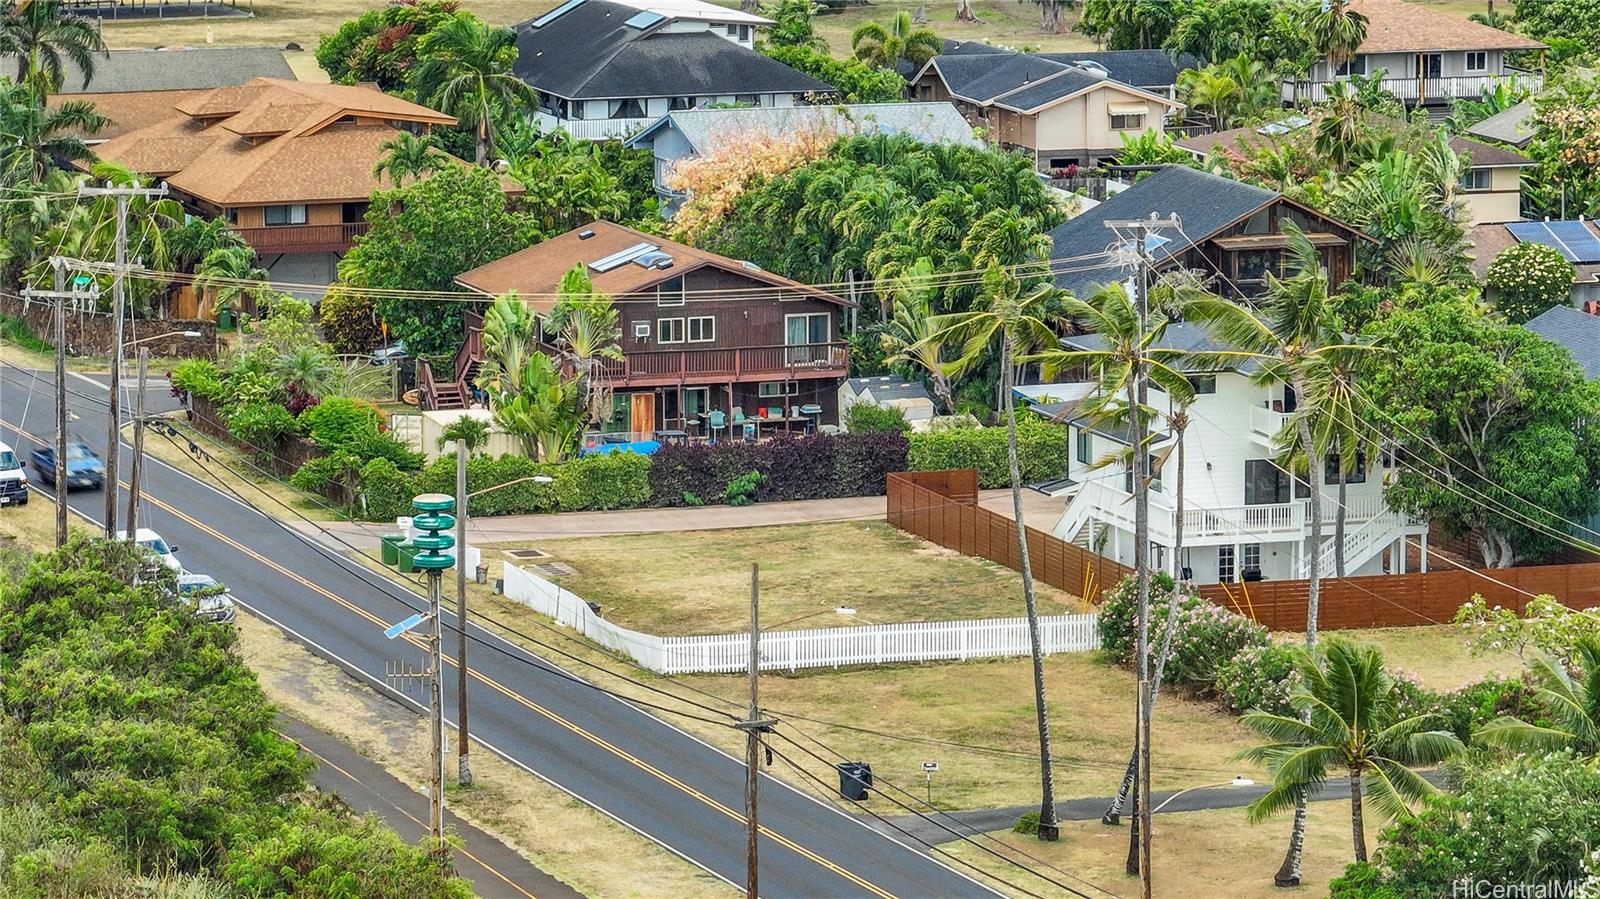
391 548
407 557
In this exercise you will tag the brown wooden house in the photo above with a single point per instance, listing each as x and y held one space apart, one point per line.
1232 234
700 332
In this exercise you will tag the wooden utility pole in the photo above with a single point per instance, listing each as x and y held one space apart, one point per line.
463 762
119 274
136 470
435 717
59 298
753 727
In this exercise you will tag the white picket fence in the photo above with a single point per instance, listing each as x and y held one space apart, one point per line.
878 644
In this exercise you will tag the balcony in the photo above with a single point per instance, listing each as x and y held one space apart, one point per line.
1427 90
1106 502
593 129
303 238
655 368
1265 423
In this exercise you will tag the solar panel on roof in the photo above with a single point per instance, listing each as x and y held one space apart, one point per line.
1578 239
644 19
1537 232
556 13
622 257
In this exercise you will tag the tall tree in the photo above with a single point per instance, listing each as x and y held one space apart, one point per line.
905 340
885 48
231 275
40 137
1294 325
464 70
1336 30
44 35
584 325
1022 323
1351 721
408 156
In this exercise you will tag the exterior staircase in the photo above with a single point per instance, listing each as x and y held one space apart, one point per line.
1361 543
452 387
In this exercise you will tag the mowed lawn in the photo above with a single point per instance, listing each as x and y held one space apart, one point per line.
1193 854
698 582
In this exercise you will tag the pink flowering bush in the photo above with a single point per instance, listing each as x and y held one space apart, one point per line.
1258 677
1204 634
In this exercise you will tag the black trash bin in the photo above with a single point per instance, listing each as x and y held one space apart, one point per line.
854 780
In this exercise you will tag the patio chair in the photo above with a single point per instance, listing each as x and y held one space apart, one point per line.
715 423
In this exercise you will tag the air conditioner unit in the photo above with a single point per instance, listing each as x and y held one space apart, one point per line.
641 330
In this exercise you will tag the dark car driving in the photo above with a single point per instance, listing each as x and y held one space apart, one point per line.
83 466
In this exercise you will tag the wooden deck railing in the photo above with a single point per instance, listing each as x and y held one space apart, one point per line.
732 363
303 238
941 507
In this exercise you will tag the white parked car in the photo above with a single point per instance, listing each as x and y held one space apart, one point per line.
13 478
211 600
156 546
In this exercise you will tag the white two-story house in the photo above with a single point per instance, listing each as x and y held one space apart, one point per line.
1245 518
1428 58
603 69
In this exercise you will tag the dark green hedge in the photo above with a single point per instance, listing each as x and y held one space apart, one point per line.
814 467
1041 451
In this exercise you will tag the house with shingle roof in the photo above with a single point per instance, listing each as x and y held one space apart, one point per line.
1426 57
1512 126
1064 113
1489 241
1232 234
135 87
287 163
688 133
603 69
701 333
1576 331
1491 187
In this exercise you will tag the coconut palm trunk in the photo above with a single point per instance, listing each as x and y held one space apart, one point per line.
1338 521
1289 872
1358 827
1048 829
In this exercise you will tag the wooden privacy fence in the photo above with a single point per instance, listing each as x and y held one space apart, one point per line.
941 507
832 647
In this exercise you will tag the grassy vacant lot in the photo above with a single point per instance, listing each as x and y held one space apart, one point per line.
1438 655
1211 853
697 582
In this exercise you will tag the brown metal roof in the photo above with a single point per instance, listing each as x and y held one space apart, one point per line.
538 270
1395 26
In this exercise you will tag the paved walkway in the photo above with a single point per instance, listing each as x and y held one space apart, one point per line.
495 870
1041 511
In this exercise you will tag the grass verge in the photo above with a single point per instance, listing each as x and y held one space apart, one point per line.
580 846
697 582
249 483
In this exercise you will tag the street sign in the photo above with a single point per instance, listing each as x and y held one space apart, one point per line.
81 282
400 627
930 767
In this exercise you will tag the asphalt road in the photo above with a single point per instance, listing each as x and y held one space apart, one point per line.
646 774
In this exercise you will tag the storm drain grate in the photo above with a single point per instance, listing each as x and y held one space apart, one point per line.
526 553
555 569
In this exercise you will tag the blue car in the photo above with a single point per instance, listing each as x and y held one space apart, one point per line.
83 467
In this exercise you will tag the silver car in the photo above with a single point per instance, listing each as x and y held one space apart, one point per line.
212 601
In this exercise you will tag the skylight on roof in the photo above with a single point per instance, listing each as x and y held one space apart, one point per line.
643 20
1284 126
556 13
622 257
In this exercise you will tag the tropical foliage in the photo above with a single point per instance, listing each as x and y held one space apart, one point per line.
1528 278
464 69
899 42
380 46
793 42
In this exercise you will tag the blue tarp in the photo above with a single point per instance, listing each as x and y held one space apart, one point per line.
642 447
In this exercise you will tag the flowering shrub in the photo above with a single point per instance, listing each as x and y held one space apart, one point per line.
1544 624
1527 279
736 161
1258 677
1204 634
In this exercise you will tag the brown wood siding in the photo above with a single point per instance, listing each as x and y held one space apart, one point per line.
741 321
941 507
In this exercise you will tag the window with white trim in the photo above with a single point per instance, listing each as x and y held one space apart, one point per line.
1477 60
702 329
1355 65
1225 569
777 388
669 330
1127 122
1477 179
670 292
294 214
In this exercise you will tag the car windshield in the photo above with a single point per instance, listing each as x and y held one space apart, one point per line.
196 585
77 452
156 545
8 461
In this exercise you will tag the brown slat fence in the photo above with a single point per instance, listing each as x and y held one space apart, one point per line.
941 507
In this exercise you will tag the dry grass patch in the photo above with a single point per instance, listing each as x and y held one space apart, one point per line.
1194 854
582 847
1437 655
697 582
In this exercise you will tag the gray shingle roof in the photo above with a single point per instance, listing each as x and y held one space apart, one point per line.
1053 88
983 77
1508 126
191 68
1186 337
885 387
1578 331
1140 68
590 53
1205 203
927 122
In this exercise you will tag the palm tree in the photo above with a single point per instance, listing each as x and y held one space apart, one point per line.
231 274
41 137
905 340
464 70
190 243
474 432
307 367
408 156
510 332
1336 31
1295 326
1214 92
43 36
586 328
1022 323
1349 722
886 47
1130 354
1571 703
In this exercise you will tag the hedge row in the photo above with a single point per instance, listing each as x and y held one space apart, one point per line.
589 484
813 467
1041 452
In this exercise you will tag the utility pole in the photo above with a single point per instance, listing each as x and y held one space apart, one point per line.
137 468
59 298
753 727
463 762
1139 834
433 517
118 309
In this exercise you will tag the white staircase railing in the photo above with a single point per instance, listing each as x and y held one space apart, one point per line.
1360 544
